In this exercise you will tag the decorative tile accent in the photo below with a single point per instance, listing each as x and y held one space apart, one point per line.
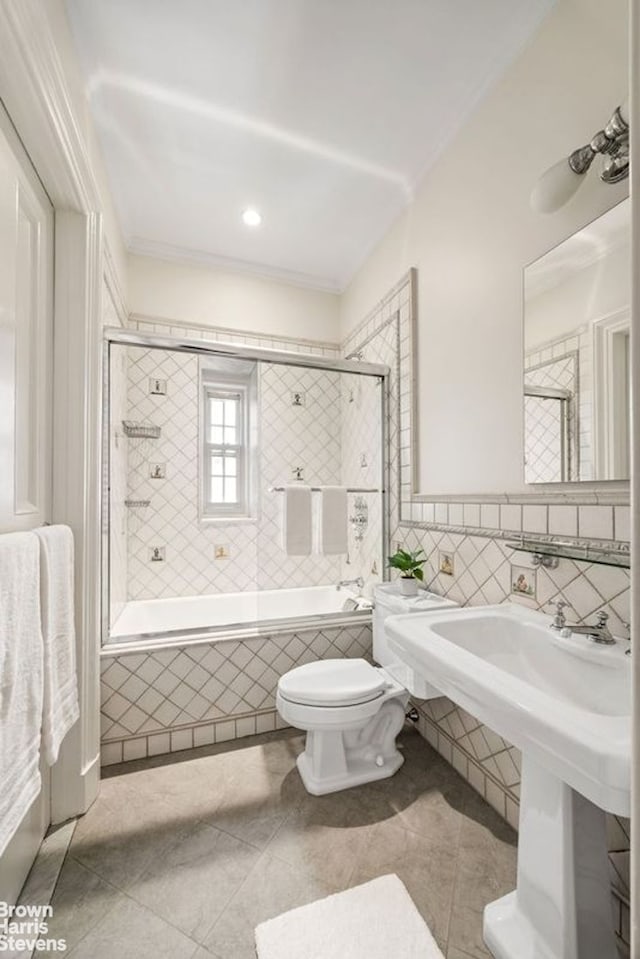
523 581
446 563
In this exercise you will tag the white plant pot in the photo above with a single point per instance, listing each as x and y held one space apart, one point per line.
408 586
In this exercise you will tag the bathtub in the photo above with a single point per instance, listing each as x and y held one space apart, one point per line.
198 619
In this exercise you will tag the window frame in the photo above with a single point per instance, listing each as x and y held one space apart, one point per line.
225 388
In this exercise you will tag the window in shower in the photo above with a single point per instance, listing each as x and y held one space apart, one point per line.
226 403
224 452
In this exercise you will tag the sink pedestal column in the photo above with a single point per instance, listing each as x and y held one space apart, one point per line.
561 908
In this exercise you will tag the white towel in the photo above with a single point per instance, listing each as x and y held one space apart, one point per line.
296 520
60 708
21 666
332 521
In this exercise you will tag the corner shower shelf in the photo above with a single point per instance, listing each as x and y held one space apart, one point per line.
586 551
144 430
137 503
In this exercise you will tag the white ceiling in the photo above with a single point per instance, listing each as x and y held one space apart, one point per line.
323 114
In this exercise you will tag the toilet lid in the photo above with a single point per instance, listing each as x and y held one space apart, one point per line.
332 682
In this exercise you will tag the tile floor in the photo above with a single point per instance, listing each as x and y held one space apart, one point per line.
183 856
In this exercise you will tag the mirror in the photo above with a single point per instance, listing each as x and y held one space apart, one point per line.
576 355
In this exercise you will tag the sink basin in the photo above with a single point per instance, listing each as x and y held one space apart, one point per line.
566 703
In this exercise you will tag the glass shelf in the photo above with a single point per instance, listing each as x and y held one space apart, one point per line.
584 551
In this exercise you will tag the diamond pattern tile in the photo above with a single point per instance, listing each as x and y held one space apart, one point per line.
290 436
546 460
567 363
157 691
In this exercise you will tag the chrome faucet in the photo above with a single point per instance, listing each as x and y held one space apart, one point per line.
359 582
598 632
559 620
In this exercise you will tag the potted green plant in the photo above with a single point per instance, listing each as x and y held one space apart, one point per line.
410 566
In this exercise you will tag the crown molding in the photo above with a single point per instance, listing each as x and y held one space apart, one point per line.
34 91
141 246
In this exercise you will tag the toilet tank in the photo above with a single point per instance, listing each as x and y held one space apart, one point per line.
388 601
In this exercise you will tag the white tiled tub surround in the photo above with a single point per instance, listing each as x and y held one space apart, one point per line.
164 700
360 424
289 436
476 534
146 705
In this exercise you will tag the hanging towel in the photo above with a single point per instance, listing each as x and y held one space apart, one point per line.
60 708
296 520
332 520
21 666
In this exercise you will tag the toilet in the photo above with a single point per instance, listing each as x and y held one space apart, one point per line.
352 711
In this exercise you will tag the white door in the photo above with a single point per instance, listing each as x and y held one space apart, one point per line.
26 339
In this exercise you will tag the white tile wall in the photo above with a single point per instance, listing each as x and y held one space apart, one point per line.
290 436
361 468
596 522
563 520
171 521
307 436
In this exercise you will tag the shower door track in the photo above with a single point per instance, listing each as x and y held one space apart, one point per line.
208 347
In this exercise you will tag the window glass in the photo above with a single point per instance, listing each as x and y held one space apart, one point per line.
225 451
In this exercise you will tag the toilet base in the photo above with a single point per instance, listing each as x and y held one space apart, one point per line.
360 771
335 759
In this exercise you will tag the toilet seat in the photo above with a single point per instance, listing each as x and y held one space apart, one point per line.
330 701
333 683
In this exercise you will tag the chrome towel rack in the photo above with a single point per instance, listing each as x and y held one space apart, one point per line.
318 489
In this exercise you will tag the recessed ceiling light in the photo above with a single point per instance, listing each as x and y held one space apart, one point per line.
251 217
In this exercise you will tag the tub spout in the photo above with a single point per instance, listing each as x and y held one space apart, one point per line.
359 582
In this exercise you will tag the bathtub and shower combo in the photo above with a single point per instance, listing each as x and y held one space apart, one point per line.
203 610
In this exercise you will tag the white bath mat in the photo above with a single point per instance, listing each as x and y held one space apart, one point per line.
377 920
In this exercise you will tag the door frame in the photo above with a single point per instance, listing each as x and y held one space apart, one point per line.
35 94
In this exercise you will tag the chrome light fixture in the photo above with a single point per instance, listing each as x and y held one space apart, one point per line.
561 181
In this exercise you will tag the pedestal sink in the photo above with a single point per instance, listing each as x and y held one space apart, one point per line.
566 703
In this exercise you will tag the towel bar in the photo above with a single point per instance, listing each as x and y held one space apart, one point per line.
317 489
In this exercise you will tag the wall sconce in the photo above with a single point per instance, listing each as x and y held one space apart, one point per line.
561 181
